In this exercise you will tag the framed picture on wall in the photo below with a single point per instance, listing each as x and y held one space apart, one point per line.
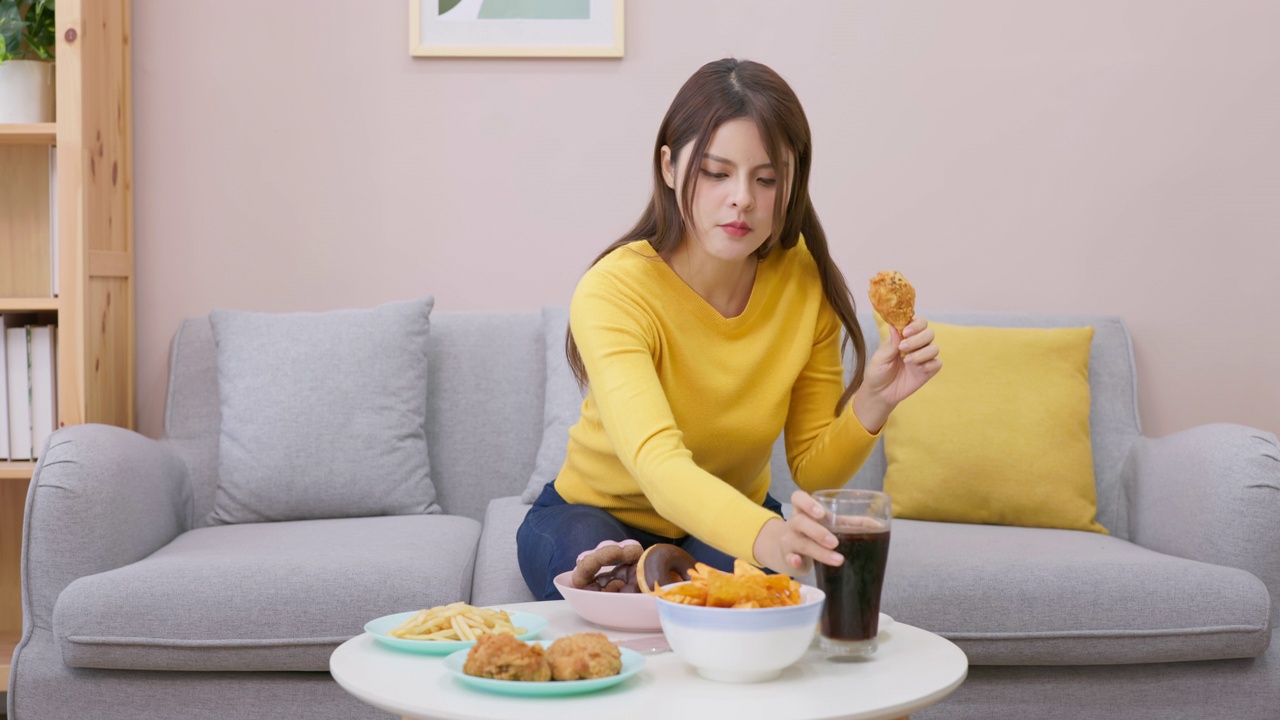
516 28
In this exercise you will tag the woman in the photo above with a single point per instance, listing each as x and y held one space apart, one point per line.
710 327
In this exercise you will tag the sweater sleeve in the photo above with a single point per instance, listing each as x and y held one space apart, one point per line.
618 342
824 450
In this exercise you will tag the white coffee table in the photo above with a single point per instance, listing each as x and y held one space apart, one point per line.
912 670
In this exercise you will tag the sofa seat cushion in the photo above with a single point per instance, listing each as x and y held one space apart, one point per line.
1034 596
263 596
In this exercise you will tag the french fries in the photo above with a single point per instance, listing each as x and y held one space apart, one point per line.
746 587
456 621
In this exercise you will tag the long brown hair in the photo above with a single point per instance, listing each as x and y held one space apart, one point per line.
718 92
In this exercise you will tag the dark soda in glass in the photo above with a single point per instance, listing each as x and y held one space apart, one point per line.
852 609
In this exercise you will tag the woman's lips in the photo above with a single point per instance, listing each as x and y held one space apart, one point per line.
736 229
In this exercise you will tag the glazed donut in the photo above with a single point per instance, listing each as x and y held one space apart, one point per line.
662 564
608 552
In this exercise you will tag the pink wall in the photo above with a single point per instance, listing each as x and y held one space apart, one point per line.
1092 156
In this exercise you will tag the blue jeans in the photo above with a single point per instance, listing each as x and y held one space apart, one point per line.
555 531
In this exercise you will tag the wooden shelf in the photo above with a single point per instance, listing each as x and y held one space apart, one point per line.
16 469
10 564
19 305
29 134
83 227
7 643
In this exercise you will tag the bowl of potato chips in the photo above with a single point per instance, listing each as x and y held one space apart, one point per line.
741 627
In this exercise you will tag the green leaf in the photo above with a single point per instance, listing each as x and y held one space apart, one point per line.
33 34
11 27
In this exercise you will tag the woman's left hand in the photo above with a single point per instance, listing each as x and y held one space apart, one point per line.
896 369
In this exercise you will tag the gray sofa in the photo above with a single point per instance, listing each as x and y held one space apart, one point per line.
136 607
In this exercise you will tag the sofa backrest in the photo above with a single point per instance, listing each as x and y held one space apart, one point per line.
487 374
1113 413
484 406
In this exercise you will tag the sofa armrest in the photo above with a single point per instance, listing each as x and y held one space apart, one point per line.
1210 493
102 497
497 577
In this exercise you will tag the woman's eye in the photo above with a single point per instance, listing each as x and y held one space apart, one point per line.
768 182
714 175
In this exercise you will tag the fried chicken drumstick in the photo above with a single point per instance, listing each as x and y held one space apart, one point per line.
893 297
503 657
583 656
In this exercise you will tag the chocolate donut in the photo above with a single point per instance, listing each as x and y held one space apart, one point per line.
615 579
662 564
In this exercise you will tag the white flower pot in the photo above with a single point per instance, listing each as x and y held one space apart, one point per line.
26 91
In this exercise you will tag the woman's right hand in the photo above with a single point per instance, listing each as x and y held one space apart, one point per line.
790 546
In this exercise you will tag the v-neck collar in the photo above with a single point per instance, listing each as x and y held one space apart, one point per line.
699 304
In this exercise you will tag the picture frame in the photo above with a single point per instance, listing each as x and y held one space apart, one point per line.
516 28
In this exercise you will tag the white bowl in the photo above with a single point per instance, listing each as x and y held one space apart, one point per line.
636 612
742 645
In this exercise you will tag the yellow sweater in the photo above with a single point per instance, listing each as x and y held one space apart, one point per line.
684 404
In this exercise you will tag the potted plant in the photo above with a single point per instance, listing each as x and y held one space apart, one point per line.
26 61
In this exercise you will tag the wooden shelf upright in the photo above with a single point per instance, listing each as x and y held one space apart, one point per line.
93 306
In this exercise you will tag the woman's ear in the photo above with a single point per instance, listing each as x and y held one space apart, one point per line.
668 172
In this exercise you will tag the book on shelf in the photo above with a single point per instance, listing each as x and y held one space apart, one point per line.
44 397
4 392
19 380
28 386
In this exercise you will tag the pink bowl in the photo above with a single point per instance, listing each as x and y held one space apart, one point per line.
636 612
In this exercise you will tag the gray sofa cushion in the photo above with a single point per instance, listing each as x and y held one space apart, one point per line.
263 596
485 377
1032 596
562 405
484 413
323 414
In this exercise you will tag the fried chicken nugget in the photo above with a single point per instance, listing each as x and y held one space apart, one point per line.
584 656
503 657
893 297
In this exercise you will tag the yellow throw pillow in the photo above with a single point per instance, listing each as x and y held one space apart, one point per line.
1001 435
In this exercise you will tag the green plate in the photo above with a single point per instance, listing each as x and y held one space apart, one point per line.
533 624
632 661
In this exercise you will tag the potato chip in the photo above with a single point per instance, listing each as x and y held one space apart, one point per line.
746 587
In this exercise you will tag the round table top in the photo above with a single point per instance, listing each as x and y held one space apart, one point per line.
912 669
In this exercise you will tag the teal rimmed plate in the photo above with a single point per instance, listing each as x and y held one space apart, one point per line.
632 661
532 624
